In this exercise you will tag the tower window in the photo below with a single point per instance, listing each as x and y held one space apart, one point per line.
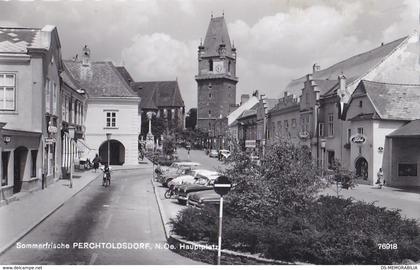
209 112
210 65
209 95
361 104
210 86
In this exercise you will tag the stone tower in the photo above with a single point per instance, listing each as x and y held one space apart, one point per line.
216 79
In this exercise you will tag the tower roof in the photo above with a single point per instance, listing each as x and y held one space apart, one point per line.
217 33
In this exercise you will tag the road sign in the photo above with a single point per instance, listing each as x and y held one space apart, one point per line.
222 185
50 140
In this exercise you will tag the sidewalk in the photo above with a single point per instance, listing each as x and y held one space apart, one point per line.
391 197
20 216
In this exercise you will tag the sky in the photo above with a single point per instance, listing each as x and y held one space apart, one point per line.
276 40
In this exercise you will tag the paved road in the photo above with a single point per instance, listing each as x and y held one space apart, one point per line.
125 212
200 157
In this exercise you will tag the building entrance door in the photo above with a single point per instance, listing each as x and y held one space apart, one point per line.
20 156
362 168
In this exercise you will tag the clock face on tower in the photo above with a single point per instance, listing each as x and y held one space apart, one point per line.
218 67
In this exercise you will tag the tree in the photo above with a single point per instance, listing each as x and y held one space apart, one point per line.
168 145
341 177
287 181
191 119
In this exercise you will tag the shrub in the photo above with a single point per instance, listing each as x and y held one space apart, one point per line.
331 231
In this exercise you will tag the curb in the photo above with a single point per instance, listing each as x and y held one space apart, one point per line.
162 213
36 223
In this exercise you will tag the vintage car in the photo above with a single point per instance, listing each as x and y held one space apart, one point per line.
189 178
205 197
213 153
175 170
203 182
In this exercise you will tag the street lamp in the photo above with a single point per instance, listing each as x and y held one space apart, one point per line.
71 130
323 143
108 138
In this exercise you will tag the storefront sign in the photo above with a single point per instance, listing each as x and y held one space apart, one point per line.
304 135
358 139
250 143
380 149
49 140
52 129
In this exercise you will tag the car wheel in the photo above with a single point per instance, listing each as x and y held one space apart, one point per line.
181 202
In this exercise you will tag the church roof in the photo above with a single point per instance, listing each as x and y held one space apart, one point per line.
157 94
354 68
217 33
99 79
393 101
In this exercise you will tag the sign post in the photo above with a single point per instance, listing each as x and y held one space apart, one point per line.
222 186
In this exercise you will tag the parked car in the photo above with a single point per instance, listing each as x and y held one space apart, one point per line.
203 183
213 153
205 197
189 177
175 170
224 154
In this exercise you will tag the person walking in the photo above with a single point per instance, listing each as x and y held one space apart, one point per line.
96 162
380 175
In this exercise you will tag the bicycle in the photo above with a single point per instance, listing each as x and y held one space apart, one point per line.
170 193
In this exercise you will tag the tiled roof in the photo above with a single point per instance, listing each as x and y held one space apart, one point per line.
157 94
217 33
411 129
393 101
124 73
367 116
17 40
250 112
353 68
99 79
69 80
325 85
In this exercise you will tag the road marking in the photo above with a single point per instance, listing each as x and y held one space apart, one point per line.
93 258
108 221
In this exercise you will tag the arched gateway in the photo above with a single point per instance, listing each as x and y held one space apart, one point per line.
117 152
362 168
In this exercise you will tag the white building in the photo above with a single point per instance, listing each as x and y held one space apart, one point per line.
112 108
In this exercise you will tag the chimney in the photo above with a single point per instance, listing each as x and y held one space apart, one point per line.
315 68
244 98
86 56
255 94
285 93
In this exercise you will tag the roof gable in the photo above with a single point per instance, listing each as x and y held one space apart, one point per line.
411 129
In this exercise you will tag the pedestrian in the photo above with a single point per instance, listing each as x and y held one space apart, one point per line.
96 162
380 175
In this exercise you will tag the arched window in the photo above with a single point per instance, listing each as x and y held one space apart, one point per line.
211 65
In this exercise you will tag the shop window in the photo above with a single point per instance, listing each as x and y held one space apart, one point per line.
407 169
34 154
5 164
7 91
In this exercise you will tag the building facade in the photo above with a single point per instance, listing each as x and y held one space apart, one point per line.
216 79
112 116
30 64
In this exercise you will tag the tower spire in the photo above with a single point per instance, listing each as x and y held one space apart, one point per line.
212 14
